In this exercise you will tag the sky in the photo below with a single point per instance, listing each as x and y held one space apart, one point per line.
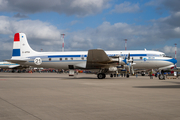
91 24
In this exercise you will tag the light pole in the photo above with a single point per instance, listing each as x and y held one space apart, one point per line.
62 37
125 44
175 50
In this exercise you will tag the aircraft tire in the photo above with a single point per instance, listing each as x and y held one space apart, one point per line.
142 74
127 75
161 77
101 76
111 75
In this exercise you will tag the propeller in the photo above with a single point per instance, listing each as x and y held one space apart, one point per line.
129 56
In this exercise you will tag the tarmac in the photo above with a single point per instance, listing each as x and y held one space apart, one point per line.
52 96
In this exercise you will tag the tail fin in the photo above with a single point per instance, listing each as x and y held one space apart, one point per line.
21 48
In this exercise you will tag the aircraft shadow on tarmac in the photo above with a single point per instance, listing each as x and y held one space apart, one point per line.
27 77
161 86
47 77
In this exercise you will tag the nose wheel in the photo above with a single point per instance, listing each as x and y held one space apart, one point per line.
161 77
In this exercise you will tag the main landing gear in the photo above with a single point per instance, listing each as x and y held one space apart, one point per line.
101 75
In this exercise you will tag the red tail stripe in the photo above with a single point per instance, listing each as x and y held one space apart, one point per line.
16 37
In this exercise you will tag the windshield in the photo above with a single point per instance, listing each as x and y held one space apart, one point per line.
162 55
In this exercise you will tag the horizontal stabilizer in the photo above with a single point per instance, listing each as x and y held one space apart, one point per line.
16 61
14 66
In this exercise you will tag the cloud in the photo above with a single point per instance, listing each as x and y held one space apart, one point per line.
33 28
172 20
126 7
170 51
172 5
19 15
68 7
39 34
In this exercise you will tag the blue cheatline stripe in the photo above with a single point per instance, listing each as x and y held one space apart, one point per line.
125 55
172 60
16 52
61 61
138 54
59 56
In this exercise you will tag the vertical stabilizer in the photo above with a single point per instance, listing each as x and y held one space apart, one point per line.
21 48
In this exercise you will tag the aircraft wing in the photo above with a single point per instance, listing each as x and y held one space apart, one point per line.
97 58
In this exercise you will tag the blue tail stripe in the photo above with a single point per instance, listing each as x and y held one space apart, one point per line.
16 52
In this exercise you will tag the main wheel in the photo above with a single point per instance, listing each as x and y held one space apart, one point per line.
101 76
127 75
111 75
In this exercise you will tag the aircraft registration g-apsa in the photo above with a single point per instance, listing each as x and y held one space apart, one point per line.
97 60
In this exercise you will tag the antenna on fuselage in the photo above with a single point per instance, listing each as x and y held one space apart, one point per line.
62 37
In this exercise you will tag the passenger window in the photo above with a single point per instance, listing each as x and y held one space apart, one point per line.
60 59
82 58
141 58
49 59
71 58
66 58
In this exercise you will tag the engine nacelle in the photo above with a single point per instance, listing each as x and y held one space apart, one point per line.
113 69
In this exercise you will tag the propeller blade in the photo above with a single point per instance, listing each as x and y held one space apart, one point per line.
132 70
132 59
128 56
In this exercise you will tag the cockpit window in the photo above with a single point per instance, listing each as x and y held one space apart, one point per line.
162 55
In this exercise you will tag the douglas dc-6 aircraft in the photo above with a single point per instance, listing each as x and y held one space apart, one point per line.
97 60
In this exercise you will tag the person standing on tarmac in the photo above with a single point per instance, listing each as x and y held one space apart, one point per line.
151 77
